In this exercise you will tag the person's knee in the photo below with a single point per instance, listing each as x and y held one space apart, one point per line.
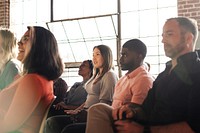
100 109
50 122
47 125
96 107
52 125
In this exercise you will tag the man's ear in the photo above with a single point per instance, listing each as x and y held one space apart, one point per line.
140 56
189 38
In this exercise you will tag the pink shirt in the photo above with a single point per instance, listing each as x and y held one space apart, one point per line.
133 87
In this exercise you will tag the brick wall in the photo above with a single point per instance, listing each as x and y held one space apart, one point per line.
4 13
189 8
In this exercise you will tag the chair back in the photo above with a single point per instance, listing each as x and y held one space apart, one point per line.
45 117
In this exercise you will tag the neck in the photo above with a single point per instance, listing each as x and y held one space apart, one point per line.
174 63
100 70
86 78
185 51
134 67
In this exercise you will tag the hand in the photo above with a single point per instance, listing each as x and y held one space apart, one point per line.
126 126
72 112
119 112
59 106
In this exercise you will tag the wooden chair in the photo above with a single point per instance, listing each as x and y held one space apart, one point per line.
45 117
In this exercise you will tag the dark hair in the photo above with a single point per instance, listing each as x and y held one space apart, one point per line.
60 88
108 60
91 66
137 46
43 57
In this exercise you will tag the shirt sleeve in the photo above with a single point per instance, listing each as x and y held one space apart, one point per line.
140 88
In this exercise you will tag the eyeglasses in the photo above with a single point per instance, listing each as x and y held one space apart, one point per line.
23 40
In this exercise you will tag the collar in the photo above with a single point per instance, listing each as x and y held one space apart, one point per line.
187 60
136 71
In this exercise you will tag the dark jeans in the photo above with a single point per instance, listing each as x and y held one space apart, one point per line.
54 112
75 128
55 124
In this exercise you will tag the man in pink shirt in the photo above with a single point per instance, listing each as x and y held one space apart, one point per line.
132 87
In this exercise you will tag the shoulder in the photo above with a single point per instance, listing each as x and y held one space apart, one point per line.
110 76
142 74
77 83
144 71
34 78
60 82
11 70
14 63
146 77
35 83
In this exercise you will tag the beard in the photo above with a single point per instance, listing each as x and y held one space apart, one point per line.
172 51
126 66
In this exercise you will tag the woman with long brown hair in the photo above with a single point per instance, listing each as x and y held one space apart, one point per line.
100 89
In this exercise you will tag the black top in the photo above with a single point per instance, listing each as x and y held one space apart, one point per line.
175 97
76 95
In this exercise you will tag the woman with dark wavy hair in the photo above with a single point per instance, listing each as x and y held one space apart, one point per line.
25 101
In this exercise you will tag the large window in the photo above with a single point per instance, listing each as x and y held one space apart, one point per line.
79 24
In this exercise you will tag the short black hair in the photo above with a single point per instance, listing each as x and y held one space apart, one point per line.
90 64
136 45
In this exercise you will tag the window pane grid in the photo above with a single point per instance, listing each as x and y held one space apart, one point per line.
139 19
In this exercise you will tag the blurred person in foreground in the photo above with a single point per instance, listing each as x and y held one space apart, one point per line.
9 66
60 87
24 102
